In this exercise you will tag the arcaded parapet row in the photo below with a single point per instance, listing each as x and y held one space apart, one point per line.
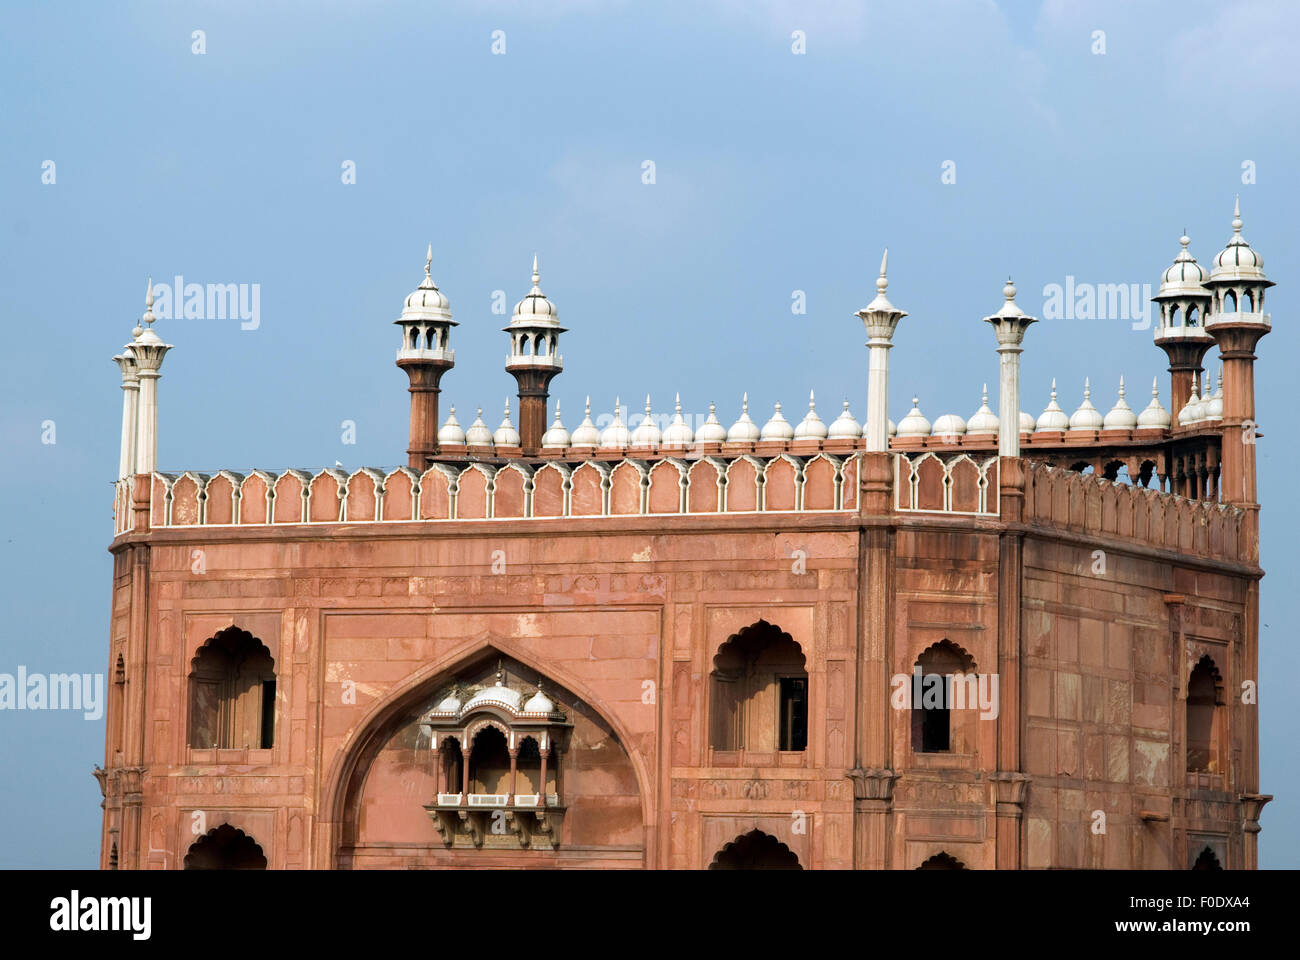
1068 500
480 491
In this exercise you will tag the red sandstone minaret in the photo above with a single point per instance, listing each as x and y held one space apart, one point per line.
1237 321
534 339
425 356
1184 304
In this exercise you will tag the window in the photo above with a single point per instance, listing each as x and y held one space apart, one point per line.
232 693
1204 694
933 723
758 697
794 713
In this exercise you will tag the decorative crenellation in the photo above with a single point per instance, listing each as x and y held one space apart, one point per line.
1068 500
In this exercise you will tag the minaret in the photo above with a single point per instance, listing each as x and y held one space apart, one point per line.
130 407
880 317
148 350
425 356
1180 330
1237 322
534 361
1009 325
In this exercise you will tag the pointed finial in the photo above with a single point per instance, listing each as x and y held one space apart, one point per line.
986 393
678 401
453 409
507 408
1184 240
882 282
1053 388
1236 215
536 276
712 407
1009 291
1155 388
589 405
647 404
428 259
1087 389
916 401
744 403
846 406
480 413
812 401
1121 386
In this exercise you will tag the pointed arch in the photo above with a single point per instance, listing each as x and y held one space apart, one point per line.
942 861
1207 860
225 848
347 771
755 850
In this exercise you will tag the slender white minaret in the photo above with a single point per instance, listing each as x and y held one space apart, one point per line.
130 404
880 317
1009 324
149 351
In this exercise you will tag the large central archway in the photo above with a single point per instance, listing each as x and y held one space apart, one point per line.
755 850
401 804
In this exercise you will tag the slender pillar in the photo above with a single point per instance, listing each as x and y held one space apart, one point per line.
148 351
514 766
541 789
534 360
880 317
425 356
1009 324
130 405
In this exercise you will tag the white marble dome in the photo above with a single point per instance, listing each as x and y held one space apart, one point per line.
1087 417
845 426
1154 416
615 436
1237 261
1053 417
777 427
948 425
983 420
711 430
451 432
506 435
556 437
647 433
743 430
679 433
1120 416
478 434
811 426
914 424
586 435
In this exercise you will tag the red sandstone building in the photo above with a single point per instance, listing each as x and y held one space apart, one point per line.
684 647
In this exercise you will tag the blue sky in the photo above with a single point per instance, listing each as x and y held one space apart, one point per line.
774 173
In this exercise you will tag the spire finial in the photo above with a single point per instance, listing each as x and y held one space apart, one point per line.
679 402
647 405
1236 216
1155 388
148 304
1009 291
507 408
812 401
1053 388
536 276
744 403
428 259
916 401
986 393
712 407
589 405
1087 388
882 282
1121 386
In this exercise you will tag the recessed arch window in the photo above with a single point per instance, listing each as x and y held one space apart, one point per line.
759 692
933 723
1204 718
232 693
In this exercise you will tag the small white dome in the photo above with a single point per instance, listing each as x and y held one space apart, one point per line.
427 302
1027 423
1237 261
535 306
845 426
451 431
556 437
711 430
615 436
811 426
679 433
1154 416
478 434
1053 417
1087 417
506 435
914 424
777 428
1214 405
1194 410
586 435
647 432
984 420
743 430
1184 277
539 702
450 703
1120 416
948 425
497 693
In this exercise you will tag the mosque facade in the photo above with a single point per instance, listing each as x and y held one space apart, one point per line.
995 642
